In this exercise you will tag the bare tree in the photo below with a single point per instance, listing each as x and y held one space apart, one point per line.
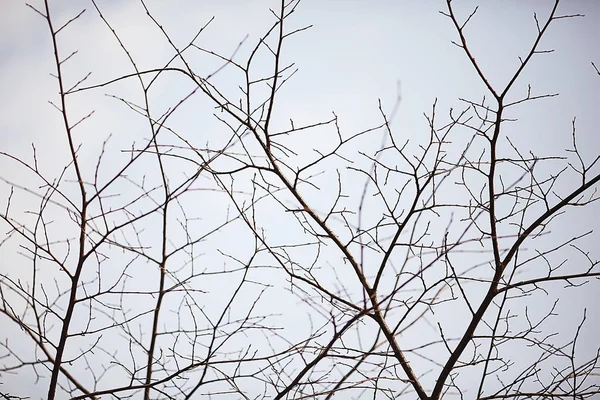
245 255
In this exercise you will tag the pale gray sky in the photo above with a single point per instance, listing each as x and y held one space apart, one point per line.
357 52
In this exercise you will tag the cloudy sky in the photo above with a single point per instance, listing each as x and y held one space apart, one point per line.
356 53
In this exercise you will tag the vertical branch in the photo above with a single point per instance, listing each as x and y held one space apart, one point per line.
500 264
81 256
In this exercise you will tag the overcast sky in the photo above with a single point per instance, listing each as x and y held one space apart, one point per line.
356 53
